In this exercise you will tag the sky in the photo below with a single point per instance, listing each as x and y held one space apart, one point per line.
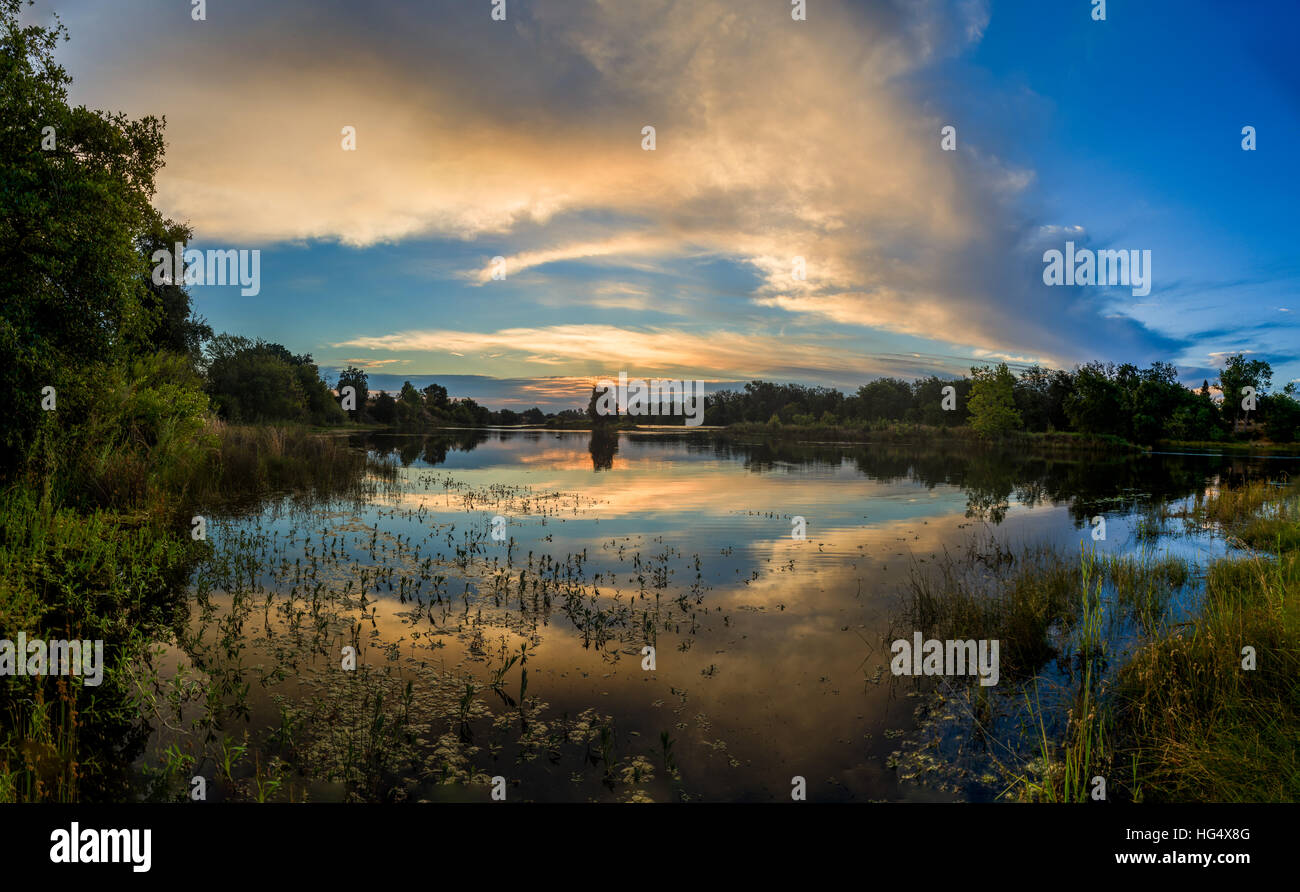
775 139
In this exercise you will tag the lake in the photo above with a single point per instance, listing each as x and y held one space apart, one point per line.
520 655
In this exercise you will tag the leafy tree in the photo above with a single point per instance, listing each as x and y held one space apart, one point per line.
410 406
885 399
1196 417
320 405
1040 398
1237 374
250 383
384 408
1094 405
592 411
256 381
178 329
435 399
1281 413
1151 397
993 402
928 401
360 381
72 216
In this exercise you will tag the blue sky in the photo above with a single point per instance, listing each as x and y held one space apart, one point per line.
775 139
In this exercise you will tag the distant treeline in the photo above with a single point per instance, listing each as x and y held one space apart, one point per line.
255 382
1140 405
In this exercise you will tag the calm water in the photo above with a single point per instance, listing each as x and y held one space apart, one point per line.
771 651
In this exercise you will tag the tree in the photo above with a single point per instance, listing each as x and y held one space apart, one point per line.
72 215
257 381
384 408
410 406
358 380
1040 397
1239 373
320 405
1094 405
178 329
928 401
885 399
593 411
1281 413
435 399
993 401
1196 417
1151 398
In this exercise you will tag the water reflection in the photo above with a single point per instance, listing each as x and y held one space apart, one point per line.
524 656
991 479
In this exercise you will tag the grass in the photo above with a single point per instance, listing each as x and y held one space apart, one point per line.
252 461
1200 707
1200 726
105 554
1031 601
1072 765
71 574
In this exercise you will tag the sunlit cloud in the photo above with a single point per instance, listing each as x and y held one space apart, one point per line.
643 352
775 140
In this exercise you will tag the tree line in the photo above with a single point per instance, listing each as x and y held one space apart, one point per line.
1121 400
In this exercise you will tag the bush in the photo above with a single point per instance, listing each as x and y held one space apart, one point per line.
141 433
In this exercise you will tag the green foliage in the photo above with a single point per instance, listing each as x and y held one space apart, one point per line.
884 398
1094 405
1238 373
141 435
177 330
72 276
928 401
68 573
356 378
435 398
1040 398
1281 413
1195 418
384 408
993 402
256 381
761 400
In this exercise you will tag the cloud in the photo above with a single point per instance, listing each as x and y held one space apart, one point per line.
775 139
604 350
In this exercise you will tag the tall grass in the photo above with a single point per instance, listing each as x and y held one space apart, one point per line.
1199 725
1069 768
254 461
1204 706
1031 601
